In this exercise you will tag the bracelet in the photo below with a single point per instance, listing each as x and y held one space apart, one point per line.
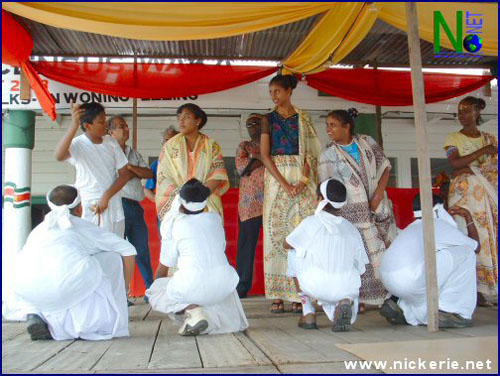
304 180
470 223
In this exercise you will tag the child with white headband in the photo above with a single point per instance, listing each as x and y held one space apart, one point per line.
402 270
204 286
326 258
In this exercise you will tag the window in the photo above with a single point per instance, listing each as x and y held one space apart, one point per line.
437 165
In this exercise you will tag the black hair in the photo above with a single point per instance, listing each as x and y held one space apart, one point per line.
417 205
478 103
335 191
91 111
194 191
63 195
196 111
286 81
345 117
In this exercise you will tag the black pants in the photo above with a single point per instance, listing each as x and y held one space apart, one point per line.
247 243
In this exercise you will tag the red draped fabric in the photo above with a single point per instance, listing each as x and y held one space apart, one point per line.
391 88
150 80
16 50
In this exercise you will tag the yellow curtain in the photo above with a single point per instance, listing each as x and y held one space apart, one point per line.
337 33
395 15
167 21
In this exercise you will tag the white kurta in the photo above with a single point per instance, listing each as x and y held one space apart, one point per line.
96 167
196 245
403 271
74 280
328 260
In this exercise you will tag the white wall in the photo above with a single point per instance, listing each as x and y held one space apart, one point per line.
227 114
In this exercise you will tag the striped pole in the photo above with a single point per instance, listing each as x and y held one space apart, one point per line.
19 136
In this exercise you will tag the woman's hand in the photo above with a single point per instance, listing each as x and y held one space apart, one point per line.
489 150
376 200
457 210
464 170
290 189
298 188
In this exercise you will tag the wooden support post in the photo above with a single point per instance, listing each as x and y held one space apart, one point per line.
424 166
25 87
134 109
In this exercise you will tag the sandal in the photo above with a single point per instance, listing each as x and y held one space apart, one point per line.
296 307
277 307
482 301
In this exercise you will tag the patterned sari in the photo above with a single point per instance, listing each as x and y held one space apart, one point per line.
281 213
378 229
176 166
478 193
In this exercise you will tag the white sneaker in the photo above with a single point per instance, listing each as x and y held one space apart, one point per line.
194 323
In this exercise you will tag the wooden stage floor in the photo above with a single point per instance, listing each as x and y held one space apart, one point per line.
272 344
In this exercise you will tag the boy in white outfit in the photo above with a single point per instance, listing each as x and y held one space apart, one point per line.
326 258
101 166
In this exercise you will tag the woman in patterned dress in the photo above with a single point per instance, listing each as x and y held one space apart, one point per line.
473 155
359 162
289 149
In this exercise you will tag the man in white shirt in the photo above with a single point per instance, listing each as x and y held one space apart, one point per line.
402 270
132 193
98 161
71 276
326 258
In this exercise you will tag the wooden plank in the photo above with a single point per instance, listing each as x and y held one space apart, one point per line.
225 370
253 349
223 350
424 166
172 350
138 312
25 87
22 354
319 341
280 346
80 356
132 352
12 330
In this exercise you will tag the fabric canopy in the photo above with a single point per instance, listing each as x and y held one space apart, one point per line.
394 14
166 20
391 88
151 80
352 22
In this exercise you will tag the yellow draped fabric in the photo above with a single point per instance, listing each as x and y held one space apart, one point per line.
167 21
338 32
394 14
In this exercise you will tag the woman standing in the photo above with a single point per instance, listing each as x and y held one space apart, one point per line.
190 154
359 162
473 155
289 150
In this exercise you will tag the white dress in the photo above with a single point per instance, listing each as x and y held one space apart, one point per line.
96 167
328 259
73 279
196 245
402 271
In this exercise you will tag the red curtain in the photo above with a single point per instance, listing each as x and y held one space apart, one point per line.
150 80
391 88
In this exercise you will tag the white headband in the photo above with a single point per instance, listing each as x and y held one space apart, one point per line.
438 211
193 206
59 215
322 204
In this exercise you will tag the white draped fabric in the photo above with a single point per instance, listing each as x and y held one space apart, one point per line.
73 278
328 259
403 270
196 245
